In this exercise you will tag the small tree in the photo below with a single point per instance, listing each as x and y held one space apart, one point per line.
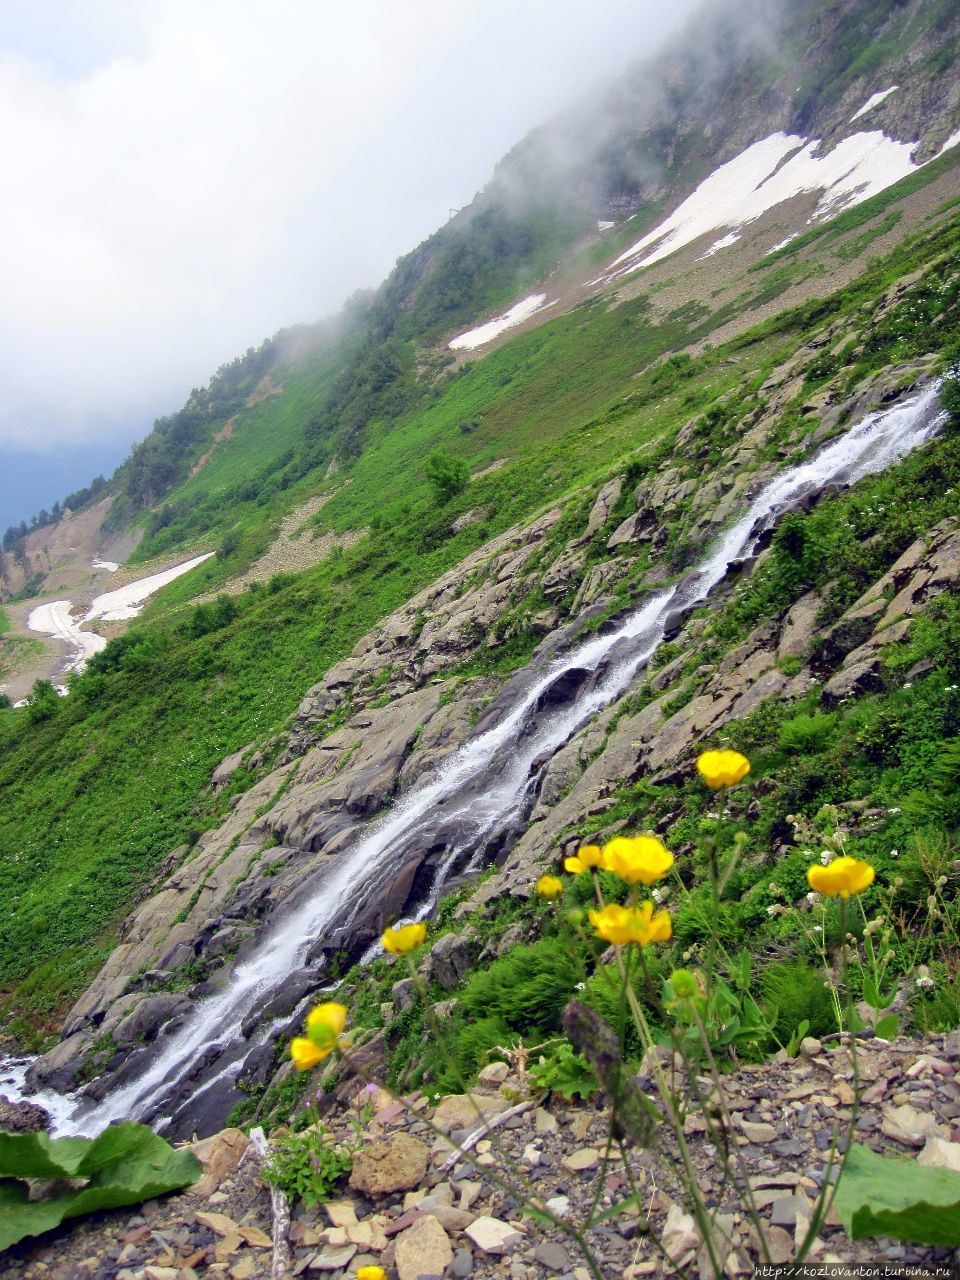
448 475
43 702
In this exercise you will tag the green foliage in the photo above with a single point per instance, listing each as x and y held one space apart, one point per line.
308 1163
880 1196
527 987
805 733
127 1163
950 394
447 474
43 702
565 1073
793 992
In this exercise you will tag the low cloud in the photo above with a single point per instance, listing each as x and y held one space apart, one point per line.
181 183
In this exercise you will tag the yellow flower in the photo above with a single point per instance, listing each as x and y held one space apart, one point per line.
408 938
723 768
306 1054
371 1273
642 858
632 924
325 1023
549 886
587 856
841 877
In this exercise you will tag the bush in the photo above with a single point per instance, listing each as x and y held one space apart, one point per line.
794 992
806 733
43 702
527 988
448 475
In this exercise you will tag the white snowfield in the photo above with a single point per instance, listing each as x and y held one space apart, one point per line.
769 172
874 101
105 564
126 602
56 618
485 333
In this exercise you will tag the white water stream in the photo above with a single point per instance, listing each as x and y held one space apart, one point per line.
482 787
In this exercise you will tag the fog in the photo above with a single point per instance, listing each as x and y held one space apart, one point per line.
182 179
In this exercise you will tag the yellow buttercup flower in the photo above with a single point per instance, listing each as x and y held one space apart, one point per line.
640 858
587 856
723 768
549 886
306 1054
841 877
407 938
371 1273
621 925
325 1023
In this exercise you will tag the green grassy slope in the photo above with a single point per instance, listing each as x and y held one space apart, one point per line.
96 796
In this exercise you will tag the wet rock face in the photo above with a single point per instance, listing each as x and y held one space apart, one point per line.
23 1117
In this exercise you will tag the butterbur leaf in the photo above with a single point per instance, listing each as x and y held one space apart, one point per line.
899 1198
37 1155
887 1027
127 1163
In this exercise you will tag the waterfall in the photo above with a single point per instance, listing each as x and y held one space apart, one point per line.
482 786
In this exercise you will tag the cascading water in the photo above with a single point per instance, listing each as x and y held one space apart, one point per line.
485 785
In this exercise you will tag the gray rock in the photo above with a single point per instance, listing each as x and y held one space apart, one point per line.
450 959
403 994
462 1265
551 1256
22 1117
148 1017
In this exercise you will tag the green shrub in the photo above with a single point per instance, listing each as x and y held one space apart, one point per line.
308 1164
807 733
527 988
794 992
448 475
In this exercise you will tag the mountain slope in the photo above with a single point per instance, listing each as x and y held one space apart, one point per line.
609 440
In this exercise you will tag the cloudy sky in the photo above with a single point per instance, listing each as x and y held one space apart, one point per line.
184 177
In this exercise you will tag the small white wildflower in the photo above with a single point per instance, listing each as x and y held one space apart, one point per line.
657 896
894 853
812 897
908 685
924 983
826 856
776 909
581 986
818 928
893 810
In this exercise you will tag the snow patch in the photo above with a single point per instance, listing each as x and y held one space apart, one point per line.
485 333
605 226
723 243
766 174
105 564
950 143
874 101
126 602
56 619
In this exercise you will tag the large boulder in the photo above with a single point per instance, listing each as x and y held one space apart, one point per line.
450 959
397 1164
149 1016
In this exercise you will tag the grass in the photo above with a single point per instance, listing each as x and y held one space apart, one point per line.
95 798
